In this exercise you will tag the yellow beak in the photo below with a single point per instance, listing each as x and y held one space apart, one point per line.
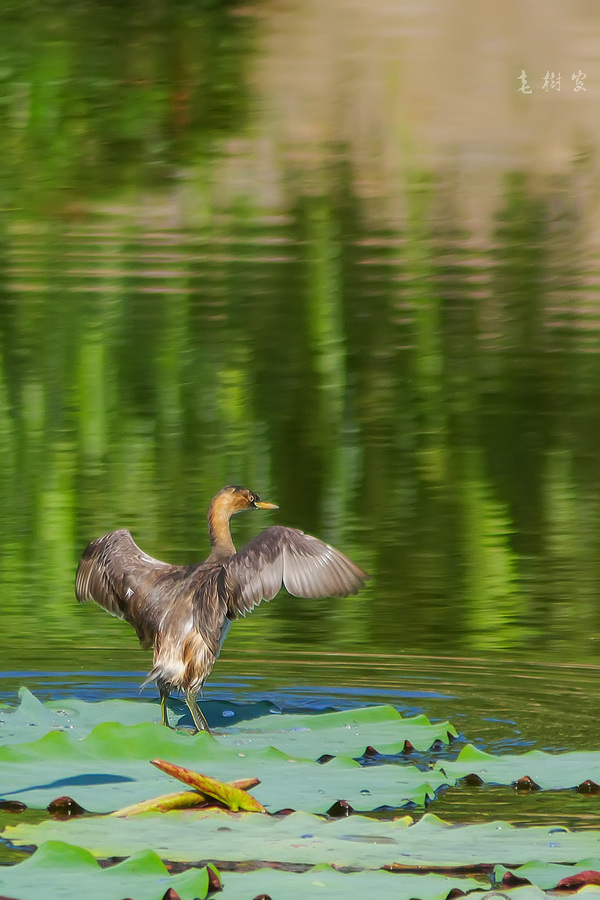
262 504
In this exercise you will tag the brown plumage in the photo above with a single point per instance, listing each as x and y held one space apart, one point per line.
184 612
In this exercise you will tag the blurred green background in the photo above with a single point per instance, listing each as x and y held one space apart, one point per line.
327 251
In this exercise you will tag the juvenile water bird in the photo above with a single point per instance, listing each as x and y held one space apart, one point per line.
184 612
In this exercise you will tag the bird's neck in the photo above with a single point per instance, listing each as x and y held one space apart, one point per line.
219 533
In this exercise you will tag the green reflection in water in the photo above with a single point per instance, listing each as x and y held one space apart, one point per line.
426 401
97 96
142 371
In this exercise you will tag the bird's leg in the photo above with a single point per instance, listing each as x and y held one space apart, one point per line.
197 714
164 697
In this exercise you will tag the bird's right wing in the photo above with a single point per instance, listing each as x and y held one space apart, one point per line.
304 565
111 569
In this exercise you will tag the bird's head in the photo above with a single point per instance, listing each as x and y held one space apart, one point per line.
234 499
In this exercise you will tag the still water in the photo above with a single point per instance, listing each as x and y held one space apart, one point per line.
265 245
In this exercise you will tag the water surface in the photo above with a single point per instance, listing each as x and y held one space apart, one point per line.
272 245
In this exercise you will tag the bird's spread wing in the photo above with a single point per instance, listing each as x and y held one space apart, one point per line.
111 569
304 565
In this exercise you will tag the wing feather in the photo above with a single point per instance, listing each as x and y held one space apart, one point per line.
155 597
304 565
111 570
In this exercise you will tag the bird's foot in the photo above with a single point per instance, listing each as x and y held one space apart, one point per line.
198 717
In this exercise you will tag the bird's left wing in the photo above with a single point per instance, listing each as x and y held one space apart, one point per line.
304 565
111 570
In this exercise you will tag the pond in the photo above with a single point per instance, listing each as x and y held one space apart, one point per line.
417 385
502 706
278 245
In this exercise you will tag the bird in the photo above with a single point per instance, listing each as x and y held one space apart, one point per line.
184 612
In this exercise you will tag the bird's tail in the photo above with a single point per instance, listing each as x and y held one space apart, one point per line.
182 666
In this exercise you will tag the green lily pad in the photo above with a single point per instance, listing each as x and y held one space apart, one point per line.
546 875
526 892
323 881
303 838
32 719
59 870
550 771
532 892
345 733
110 769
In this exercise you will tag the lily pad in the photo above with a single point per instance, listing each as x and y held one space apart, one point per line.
550 771
110 769
546 875
303 838
56 869
532 892
310 735
32 719
345 733
324 882
59 870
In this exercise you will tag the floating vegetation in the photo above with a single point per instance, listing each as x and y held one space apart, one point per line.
333 822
